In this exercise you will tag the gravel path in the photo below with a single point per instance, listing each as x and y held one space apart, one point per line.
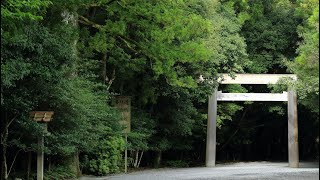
234 171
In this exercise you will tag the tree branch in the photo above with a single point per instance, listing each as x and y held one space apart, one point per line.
110 2
12 120
86 21
128 43
141 49
98 4
141 154
14 159
112 79
235 132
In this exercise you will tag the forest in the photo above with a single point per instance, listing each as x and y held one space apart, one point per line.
72 57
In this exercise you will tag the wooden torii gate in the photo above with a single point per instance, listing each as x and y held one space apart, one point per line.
290 97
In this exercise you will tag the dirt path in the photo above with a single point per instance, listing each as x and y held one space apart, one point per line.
250 170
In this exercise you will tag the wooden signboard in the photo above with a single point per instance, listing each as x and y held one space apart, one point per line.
41 116
123 104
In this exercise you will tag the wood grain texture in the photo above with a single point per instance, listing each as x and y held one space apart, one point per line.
255 78
211 130
252 96
293 147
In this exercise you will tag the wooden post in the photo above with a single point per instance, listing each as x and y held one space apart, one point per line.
43 117
293 148
126 155
211 130
40 154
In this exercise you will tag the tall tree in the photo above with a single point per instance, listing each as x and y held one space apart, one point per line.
306 64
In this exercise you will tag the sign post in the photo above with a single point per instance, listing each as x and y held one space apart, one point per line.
42 117
123 104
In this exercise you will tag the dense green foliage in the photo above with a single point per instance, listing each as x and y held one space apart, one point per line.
306 64
71 57
272 46
38 74
106 158
269 35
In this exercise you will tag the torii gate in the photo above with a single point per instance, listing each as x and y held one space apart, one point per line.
290 97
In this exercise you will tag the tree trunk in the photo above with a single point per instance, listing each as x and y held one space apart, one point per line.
71 18
5 167
77 163
4 137
157 159
140 159
49 163
29 165
104 68
136 159
72 163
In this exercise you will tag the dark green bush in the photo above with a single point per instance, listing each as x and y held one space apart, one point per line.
107 158
59 172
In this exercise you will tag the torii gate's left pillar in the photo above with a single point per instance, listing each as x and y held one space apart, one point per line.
211 130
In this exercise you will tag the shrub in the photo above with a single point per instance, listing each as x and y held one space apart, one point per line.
107 158
59 172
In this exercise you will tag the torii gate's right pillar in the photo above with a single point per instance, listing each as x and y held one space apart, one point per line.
211 130
293 147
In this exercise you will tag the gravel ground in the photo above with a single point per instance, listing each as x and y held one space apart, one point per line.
232 171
